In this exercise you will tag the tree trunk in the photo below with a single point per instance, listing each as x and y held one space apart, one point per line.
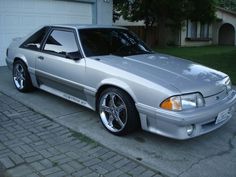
162 38
146 33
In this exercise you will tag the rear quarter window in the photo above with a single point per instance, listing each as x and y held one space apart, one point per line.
34 41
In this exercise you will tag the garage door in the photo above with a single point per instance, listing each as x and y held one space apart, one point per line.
20 17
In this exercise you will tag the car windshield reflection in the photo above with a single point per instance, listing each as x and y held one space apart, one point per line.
120 42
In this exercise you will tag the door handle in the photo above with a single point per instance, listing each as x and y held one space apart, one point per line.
41 57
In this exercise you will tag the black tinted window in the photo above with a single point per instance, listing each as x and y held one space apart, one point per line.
119 42
34 41
61 42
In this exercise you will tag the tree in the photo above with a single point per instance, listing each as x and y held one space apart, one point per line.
227 4
135 10
165 13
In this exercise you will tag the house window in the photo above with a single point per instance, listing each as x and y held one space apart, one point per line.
193 30
204 30
197 31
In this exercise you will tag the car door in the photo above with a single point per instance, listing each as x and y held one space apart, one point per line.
59 67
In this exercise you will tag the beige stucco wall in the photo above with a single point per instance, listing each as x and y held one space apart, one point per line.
213 30
226 18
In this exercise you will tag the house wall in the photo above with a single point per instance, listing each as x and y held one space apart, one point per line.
225 18
20 17
122 22
104 12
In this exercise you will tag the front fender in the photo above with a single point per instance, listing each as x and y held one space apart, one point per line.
119 84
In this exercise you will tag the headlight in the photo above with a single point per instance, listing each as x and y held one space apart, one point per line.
183 102
228 84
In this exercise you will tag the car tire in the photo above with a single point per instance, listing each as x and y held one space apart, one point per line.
117 112
21 77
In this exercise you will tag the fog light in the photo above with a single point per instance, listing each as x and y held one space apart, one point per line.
189 129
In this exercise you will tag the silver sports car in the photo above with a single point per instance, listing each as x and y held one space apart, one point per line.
110 70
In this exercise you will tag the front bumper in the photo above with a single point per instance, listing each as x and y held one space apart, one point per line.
174 124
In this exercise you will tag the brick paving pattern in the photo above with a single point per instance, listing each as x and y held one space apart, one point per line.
31 145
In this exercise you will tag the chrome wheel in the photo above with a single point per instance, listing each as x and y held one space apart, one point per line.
113 112
19 76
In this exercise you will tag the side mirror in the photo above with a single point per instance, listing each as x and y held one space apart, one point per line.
74 56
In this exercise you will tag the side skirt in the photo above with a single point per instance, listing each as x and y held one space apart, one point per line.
65 96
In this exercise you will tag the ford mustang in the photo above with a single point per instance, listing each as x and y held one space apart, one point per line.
111 71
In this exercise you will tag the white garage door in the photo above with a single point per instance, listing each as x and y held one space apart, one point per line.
20 17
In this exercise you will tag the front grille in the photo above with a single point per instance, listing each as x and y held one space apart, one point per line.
208 125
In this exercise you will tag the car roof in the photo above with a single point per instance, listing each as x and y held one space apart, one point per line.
81 26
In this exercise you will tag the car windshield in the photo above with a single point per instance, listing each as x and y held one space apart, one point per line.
103 41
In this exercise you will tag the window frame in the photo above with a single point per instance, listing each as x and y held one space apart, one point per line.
61 29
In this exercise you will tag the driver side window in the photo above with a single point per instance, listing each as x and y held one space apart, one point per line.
62 43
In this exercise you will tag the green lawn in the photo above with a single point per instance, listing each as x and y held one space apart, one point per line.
222 58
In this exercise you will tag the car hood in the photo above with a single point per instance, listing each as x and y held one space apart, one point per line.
182 74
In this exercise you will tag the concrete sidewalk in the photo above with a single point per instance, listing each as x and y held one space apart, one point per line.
209 155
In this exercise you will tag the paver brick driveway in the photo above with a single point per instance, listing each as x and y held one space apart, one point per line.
31 145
